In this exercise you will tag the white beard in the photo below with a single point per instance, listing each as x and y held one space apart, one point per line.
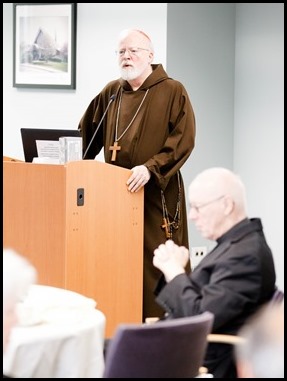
130 73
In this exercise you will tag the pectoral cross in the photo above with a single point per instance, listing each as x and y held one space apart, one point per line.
167 227
114 148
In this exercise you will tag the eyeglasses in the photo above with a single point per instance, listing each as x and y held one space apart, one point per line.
198 207
131 51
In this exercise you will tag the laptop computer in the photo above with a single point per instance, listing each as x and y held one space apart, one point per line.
31 135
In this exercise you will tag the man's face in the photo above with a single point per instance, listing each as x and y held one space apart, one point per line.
207 213
134 56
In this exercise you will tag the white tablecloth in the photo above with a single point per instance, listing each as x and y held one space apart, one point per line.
60 338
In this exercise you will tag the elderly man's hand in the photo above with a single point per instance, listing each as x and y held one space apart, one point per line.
139 177
171 259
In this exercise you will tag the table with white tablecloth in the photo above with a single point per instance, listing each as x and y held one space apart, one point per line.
60 335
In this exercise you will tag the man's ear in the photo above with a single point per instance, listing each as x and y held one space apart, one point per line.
229 204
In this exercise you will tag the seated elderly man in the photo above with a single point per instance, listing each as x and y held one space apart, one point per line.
18 275
232 281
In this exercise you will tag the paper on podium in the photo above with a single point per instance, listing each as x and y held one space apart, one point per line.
45 160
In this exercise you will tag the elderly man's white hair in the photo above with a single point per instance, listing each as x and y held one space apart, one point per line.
124 33
218 181
18 275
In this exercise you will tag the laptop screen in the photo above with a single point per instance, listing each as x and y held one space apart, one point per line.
30 137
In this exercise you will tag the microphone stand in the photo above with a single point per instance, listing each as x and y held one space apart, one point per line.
112 98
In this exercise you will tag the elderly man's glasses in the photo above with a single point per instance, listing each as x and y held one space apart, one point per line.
131 51
198 207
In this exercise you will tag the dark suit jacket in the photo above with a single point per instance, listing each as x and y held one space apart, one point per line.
232 282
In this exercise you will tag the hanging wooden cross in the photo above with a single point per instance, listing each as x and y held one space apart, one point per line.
114 148
167 227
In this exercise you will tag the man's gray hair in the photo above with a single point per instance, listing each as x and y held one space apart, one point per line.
263 348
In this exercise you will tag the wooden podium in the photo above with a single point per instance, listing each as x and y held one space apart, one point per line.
81 228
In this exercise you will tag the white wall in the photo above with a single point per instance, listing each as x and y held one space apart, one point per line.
98 25
230 58
200 53
259 117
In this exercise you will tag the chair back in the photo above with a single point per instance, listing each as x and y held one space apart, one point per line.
167 349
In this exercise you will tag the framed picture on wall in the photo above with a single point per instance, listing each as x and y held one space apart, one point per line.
44 45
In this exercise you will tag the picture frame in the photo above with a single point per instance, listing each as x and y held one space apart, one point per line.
44 45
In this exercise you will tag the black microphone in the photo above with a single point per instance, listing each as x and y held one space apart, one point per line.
112 98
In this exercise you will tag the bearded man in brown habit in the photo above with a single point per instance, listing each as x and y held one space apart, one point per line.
148 126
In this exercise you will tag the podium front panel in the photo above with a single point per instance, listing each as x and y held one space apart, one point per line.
82 229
